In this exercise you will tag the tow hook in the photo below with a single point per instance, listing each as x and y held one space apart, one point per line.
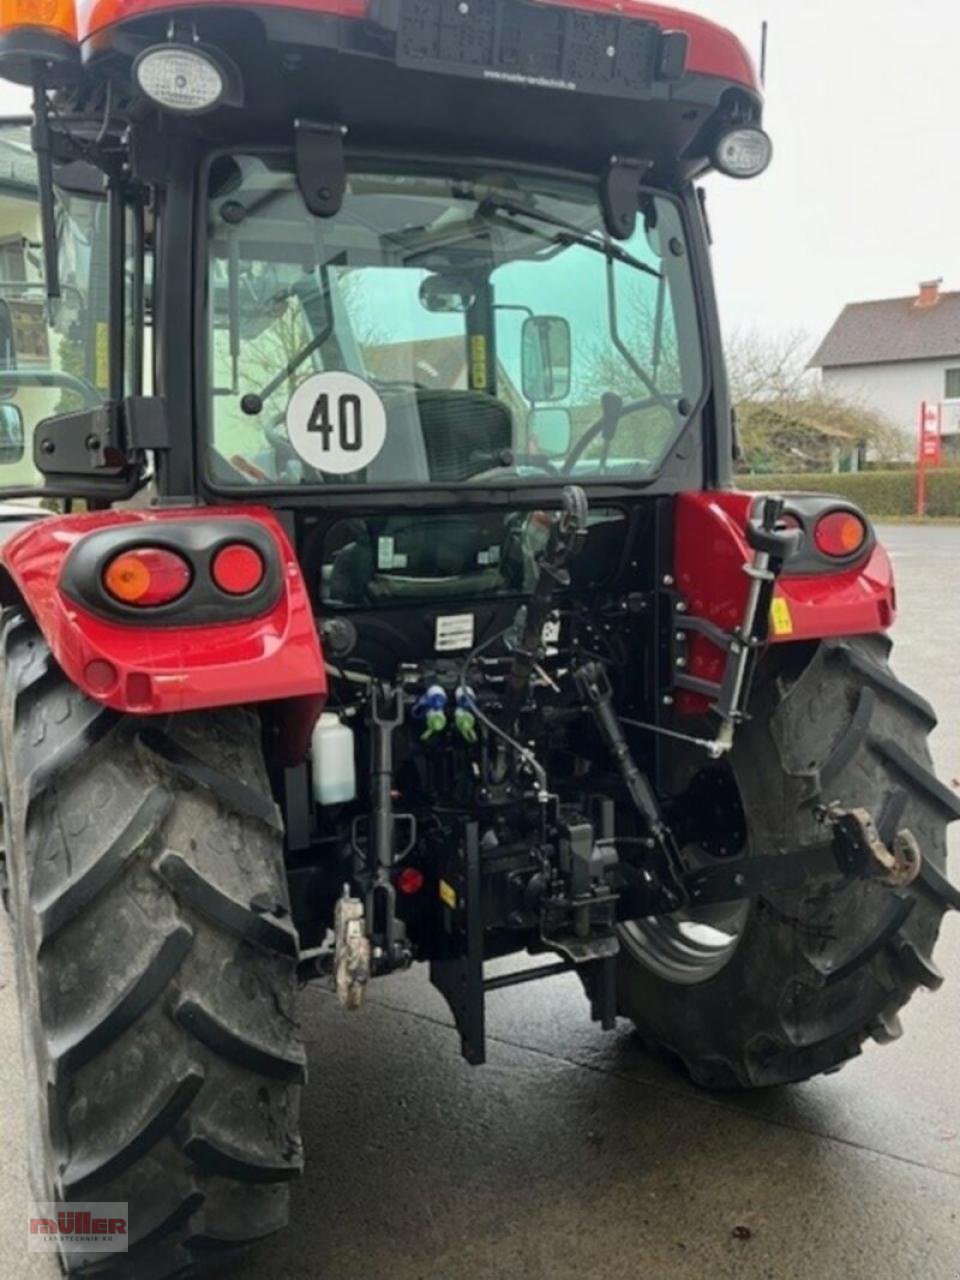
351 953
856 834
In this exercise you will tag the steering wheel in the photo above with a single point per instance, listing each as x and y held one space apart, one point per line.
275 433
279 441
538 460
617 413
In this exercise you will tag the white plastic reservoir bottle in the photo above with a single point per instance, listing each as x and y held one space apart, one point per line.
334 767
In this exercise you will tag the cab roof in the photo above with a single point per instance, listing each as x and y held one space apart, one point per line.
712 50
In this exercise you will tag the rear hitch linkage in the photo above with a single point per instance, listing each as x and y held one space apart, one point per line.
851 850
593 685
575 883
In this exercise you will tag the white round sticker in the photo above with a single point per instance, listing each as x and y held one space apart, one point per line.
336 422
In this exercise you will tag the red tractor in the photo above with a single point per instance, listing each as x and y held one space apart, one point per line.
386 598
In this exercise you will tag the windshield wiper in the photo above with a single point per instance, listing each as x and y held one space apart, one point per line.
568 232
252 403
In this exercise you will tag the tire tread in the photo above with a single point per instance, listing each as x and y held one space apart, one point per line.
821 970
168 1082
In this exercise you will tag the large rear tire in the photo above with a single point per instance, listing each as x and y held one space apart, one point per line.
806 976
156 967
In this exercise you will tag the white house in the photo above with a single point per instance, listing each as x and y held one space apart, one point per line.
895 353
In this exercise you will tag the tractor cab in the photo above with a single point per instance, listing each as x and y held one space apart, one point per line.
483 212
375 590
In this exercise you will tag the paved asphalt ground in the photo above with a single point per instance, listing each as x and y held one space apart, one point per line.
573 1154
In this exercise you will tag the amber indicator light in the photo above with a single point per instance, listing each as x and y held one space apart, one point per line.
147 576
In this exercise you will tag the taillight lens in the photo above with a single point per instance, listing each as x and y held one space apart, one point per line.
238 569
839 534
410 881
147 576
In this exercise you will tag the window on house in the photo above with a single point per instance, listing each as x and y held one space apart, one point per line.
13 267
952 385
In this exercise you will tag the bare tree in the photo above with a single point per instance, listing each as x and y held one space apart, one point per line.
788 420
762 366
649 333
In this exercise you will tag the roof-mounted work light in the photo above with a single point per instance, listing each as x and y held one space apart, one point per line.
186 78
743 153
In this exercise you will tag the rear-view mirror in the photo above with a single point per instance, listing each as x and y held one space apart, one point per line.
545 358
447 293
11 434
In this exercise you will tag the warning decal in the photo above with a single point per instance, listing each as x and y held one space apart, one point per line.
780 618
336 422
453 632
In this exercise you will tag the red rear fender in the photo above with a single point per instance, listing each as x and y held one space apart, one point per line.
153 665
710 552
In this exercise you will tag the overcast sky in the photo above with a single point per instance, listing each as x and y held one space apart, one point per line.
863 198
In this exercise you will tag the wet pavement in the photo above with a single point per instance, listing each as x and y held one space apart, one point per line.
572 1154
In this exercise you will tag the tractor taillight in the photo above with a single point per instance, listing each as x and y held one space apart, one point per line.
147 576
410 881
238 569
839 534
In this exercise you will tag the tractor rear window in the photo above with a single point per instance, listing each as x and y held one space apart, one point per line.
441 331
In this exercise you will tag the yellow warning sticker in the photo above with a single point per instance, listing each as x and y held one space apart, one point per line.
101 375
780 617
478 362
449 895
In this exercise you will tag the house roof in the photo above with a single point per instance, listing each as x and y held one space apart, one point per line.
891 331
433 362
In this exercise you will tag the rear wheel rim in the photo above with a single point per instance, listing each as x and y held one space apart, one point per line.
693 944
687 947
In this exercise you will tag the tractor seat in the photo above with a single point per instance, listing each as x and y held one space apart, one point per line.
464 433
440 437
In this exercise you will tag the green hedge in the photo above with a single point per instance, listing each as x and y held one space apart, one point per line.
879 493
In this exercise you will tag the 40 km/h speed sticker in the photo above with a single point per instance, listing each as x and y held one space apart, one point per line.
336 422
